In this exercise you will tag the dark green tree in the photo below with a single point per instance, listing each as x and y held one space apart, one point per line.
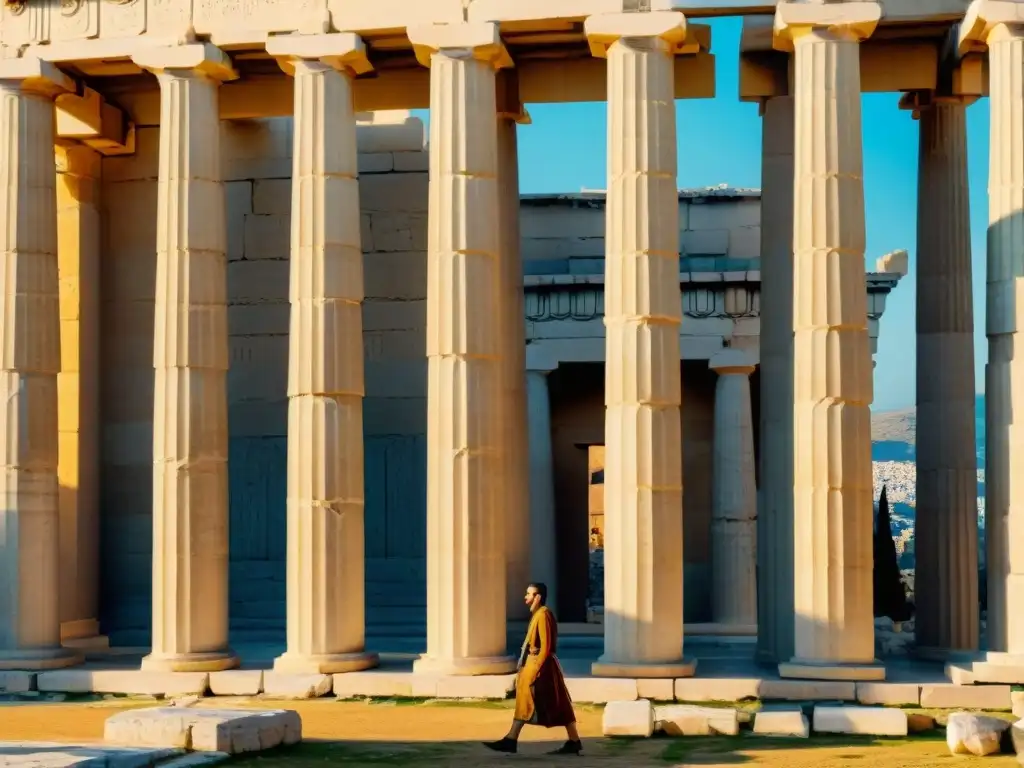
889 591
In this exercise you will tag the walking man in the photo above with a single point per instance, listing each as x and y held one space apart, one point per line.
541 696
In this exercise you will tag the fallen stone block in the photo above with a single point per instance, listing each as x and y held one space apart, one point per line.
17 682
601 690
889 694
950 696
127 681
1017 703
350 685
473 687
1017 739
237 682
918 722
278 685
689 720
232 731
866 721
628 718
782 722
970 734
716 689
27 754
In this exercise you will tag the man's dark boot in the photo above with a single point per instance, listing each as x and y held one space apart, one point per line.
506 745
569 748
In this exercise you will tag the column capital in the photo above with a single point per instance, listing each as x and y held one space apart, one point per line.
732 360
205 59
480 40
36 76
852 20
344 51
987 18
607 29
918 101
89 118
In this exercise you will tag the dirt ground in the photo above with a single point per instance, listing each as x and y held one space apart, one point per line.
448 734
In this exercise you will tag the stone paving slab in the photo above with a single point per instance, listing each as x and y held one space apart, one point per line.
17 682
28 754
233 731
130 681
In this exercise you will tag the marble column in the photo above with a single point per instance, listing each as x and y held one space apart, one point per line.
543 544
78 383
513 340
733 494
29 363
643 554
190 355
946 534
832 520
325 579
996 25
466 450
775 496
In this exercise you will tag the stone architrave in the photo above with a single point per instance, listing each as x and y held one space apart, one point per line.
734 494
326 610
832 518
775 498
29 364
643 544
999 26
466 451
519 544
946 534
190 355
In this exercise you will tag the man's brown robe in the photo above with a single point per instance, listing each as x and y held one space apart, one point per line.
541 695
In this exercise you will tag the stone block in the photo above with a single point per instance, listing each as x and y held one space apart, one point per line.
474 687
272 196
396 275
688 720
949 696
406 136
279 685
237 682
233 731
745 242
601 690
238 202
889 694
808 690
267 237
412 162
394 192
27 754
725 214
350 685
1017 703
716 689
867 721
397 232
782 722
17 682
655 689
628 718
128 681
970 734
376 162
252 282
918 722
707 242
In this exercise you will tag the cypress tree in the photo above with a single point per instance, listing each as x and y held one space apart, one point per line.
889 592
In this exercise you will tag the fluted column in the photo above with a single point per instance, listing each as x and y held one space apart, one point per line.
325 579
466 451
996 25
775 496
190 355
29 363
832 520
734 494
543 549
78 383
946 532
513 341
643 620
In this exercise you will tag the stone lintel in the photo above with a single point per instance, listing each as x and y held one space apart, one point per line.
343 51
605 30
36 76
510 105
984 17
732 360
88 117
482 40
203 58
856 20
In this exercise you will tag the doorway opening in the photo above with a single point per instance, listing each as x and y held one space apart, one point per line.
595 543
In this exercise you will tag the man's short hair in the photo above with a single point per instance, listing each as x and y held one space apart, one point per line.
542 590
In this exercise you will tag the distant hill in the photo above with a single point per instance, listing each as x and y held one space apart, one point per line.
894 433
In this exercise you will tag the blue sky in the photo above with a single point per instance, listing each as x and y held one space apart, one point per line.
720 142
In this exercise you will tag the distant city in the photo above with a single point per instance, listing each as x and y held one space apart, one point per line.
894 454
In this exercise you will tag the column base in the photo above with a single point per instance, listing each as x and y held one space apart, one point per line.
325 664
670 669
483 665
999 667
214 661
803 669
38 659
